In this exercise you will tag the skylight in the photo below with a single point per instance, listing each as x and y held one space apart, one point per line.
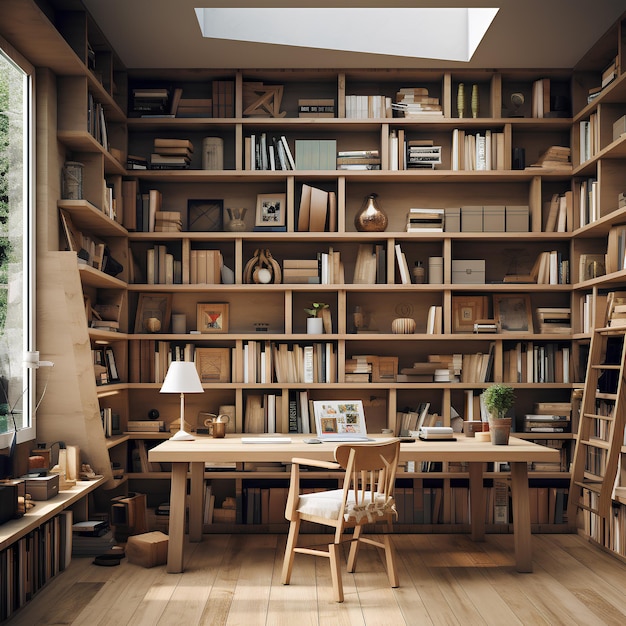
450 34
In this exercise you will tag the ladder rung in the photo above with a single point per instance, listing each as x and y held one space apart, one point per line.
595 487
606 366
606 396
592 476
609 418
596 443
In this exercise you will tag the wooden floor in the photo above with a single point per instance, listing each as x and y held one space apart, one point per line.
444 579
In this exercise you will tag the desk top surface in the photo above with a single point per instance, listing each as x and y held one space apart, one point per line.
232 449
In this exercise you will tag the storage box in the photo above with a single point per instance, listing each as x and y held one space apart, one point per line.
148 549
493 219
472 219
452 219
619 127
468 272
43 487
517 219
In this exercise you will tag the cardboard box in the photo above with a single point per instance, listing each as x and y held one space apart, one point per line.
472 219
468 272
43 487
517 219
452 219
148 549
493 219
619 127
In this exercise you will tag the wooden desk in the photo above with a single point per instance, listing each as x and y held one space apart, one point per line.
193 454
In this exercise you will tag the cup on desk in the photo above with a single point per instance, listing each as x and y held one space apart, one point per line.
217 425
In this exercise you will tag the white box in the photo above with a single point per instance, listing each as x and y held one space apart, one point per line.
468 272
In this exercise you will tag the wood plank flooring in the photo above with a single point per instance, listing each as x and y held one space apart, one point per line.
444 579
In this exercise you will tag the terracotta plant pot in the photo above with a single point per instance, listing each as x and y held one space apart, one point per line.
500 429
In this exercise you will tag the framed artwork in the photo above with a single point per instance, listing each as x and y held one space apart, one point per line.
466 310
339 418
205 215
213 364
212 317
513 313
154 311
270 209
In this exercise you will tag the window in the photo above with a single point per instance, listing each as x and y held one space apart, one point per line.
16 246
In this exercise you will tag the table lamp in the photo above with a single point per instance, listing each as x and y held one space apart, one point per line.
182 377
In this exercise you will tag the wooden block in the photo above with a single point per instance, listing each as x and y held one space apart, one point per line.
148 549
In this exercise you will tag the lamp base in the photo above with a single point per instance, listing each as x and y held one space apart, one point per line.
181 435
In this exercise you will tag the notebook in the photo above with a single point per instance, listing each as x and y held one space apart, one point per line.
340 421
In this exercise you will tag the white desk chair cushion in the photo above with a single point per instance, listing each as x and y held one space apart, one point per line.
328 504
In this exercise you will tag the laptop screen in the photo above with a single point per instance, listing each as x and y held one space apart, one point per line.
340 421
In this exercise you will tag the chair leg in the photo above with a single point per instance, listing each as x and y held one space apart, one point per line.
335 572
292 541
392 572
354 548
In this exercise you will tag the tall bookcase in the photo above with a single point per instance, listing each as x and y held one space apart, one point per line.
278 308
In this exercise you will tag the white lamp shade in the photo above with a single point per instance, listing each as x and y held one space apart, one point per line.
182 377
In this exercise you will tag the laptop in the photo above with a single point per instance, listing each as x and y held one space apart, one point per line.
342 421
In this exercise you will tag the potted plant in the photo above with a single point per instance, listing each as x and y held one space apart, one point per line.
315 323
499 398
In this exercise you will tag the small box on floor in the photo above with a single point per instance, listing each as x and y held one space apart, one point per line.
148 549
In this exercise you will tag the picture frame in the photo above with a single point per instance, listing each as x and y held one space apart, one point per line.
213 364
466 310
513 313
212 317
271 209
339 418
153 306
205 215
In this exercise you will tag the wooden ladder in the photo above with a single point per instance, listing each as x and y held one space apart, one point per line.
602 420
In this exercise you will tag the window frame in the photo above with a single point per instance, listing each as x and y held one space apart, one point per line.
28 432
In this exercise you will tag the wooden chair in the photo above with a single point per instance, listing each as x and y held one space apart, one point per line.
366 498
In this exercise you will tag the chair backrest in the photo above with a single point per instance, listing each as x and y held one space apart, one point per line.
370 467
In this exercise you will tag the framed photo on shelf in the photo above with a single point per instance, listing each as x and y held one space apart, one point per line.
466 310
513 313
205 215
212 317
154 311
270 209
213 364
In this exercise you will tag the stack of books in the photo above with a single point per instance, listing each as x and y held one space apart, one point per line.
167 222
316 107
358 160
136 162
358 369
424 220
194 107
422 154
554 320
549 417
412 102
171 154
301 271
150 101
555 157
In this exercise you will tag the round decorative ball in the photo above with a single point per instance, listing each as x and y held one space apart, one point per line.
264 276
153 324
403 326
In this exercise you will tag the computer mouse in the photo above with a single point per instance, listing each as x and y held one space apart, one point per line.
312 441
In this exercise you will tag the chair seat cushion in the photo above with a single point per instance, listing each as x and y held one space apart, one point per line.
327 505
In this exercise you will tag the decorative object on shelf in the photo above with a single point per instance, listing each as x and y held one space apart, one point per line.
153 306
475 100
435 270
213 364
73 180
512 312
179 323
419 273
205 215
315 321
270 209
236 218
182 377
262 260
403 326
460 100
371 218
517 100
212 317
261 100
499 398
212 153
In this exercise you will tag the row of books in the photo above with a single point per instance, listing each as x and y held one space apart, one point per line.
530 362
149 359
559 213
412 153
267 362
318 210
326 269
268 153
478 151
196 267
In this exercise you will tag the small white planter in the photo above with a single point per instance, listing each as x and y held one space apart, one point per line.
314 325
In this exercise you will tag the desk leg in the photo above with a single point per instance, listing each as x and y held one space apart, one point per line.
196 500
477 501
178 490
521 517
